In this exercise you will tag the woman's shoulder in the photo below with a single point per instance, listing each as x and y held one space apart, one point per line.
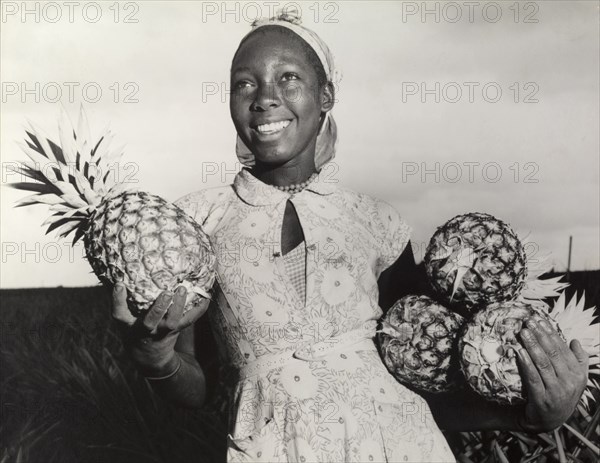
388 227
386 223
204 203
368 204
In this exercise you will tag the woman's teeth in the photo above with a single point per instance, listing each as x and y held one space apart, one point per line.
273 127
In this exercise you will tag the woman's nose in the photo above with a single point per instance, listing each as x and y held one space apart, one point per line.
267 96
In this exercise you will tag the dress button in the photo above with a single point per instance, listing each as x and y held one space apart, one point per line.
296 378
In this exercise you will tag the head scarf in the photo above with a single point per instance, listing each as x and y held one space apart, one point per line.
327 136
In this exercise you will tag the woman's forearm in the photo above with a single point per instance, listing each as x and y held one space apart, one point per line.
187 387
465 411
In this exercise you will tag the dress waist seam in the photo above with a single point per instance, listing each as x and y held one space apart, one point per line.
354 340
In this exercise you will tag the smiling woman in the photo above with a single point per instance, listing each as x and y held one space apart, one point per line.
321 251
280 101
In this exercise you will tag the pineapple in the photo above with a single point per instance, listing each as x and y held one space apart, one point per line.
418 344
134 237
487 347
474 260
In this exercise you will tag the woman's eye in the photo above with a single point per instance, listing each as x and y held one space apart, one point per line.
289 76
242 84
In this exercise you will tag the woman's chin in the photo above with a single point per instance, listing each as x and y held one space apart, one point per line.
271 158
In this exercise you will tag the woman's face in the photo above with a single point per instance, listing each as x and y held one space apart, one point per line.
276 102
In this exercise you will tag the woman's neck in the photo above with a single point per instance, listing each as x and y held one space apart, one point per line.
283 175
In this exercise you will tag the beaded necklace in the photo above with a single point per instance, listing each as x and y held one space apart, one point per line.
297 187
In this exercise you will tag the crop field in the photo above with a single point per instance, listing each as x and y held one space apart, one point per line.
70 394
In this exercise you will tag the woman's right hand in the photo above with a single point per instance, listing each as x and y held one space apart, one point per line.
150 339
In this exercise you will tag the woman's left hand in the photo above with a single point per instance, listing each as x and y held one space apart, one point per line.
554 376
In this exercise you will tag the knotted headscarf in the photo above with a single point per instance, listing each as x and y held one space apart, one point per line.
327 136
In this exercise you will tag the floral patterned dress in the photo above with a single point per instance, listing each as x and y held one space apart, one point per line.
310 385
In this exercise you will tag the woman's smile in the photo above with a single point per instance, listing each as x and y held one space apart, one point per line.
271 128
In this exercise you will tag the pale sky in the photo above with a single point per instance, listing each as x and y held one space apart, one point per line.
533 164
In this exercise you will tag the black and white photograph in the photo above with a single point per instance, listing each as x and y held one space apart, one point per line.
311 231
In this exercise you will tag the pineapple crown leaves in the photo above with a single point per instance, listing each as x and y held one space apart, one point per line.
72 177
536 288
462 260
577 322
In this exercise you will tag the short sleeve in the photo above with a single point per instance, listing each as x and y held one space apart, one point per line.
206 206
394 235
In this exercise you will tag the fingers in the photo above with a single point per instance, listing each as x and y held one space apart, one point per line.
555 348
582 361
120 311
199 308
157 311
580 354
166 314
174 315
538 356
532 379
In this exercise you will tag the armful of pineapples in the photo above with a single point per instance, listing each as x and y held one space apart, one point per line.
484 322
554 376
151 338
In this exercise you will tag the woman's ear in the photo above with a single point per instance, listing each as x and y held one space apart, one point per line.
327 97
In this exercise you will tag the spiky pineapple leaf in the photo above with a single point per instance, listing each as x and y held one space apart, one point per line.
536 288
71 176
539 289
93 152
51 199
79 232
60 222
577 322
30 172
34 144
36 187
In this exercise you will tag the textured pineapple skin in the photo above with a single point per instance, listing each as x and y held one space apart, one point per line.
422 350
150 245
487 349
499 270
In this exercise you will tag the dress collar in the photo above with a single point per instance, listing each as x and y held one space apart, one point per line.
257 193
